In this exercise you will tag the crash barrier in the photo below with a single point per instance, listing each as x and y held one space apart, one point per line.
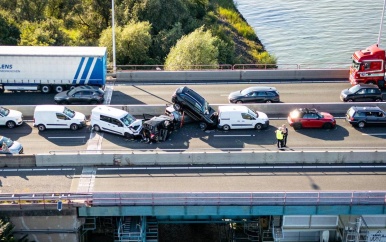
208 157
17 160
233 75
275 109
197 198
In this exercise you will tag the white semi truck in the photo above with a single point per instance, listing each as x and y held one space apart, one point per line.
51 68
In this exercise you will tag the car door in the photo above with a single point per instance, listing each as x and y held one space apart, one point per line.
116 126
2 119
376 117
250 97
62 122
307 120
247 121
360 95
77 97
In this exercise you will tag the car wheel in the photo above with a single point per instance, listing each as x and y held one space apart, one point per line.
378 100
203 126
327 126
46 89
59 89
226 127
177 107
128 136
74 126
258 126
2 90
10 124
96 128
349 100
94 102
41 127
268 101
361 124
297 126
239 102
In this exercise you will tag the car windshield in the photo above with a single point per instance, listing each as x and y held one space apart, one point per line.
253 114
354 89
7 141
350 112
245 91
128 119
69 113
72 92
4 111
355 65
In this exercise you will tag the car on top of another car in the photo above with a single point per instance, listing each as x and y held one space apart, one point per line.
81 95
255 95
310 118
362 93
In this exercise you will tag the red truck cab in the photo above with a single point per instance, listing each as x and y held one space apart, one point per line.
368 66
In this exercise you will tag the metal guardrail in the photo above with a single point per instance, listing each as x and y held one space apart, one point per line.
234 67
197 198
268 148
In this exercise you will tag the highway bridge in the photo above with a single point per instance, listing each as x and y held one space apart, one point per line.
365 175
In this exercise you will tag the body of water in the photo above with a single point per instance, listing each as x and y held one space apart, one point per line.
314 32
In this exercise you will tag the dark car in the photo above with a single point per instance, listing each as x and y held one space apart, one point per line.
159 128
362 93
186 100
310 118
81 94
363 116
255 95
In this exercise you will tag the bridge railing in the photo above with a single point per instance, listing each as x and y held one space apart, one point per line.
196 198
289 66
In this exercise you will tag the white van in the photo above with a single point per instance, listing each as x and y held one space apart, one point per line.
117 121
10 118
57 117
241 117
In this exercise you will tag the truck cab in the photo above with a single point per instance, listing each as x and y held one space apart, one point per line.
368 66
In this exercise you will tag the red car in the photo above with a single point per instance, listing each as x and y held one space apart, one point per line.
310 118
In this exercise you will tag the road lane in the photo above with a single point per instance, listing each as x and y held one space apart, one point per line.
190 137
195 179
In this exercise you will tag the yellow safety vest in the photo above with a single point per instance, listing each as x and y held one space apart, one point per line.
279 134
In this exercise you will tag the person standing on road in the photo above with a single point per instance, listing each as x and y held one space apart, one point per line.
285 134
279 137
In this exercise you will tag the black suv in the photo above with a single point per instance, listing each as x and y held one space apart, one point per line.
362 93
255 95
187 100
362 116
81 94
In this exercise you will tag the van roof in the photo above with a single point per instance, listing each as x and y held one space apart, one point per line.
56 108
233 108
113 112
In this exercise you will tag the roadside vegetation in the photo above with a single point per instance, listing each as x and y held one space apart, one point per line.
6 231
180 34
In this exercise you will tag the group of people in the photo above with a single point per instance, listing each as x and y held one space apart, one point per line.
281 136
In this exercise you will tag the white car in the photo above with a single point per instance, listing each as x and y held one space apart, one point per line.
10 118
241 117
8 146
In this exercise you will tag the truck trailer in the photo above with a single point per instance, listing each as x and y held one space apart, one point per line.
51 68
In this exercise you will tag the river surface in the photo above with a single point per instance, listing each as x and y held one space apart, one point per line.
314 32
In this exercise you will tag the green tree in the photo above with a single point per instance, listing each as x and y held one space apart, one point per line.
164 40
132 43
44 33
9 33
197 48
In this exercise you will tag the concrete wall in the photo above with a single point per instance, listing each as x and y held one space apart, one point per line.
213 158
17 161
276 109
233 75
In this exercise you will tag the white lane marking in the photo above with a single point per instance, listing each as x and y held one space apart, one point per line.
87 179
375 134
233 135
73 137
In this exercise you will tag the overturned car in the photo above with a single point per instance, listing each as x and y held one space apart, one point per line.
159 128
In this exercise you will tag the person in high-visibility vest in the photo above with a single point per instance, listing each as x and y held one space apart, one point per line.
279 137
